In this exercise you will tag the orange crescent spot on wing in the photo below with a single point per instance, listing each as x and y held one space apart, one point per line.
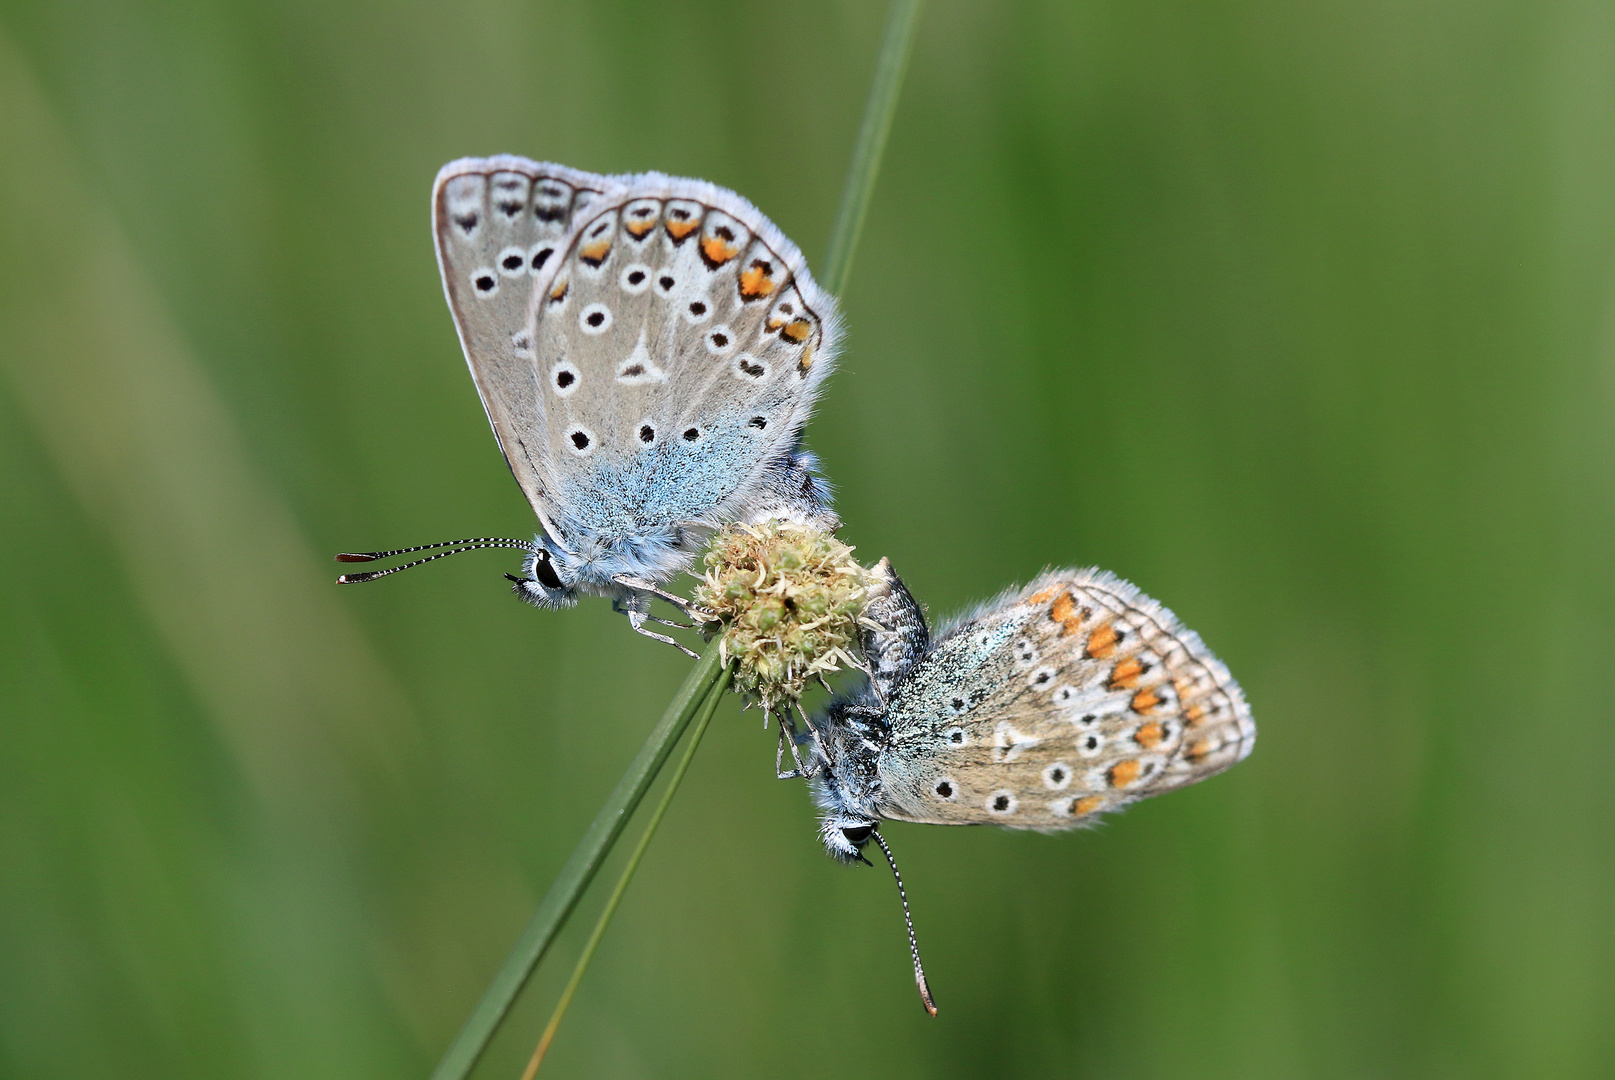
1124 772
1087 805
717 250
1102 642
797 330
755 282
1127 674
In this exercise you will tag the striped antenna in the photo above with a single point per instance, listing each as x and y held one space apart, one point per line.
913 946
458 546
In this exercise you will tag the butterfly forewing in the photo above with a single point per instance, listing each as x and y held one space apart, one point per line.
1074 696
679 343
499 223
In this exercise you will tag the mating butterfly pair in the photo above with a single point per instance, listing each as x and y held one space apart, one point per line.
648 349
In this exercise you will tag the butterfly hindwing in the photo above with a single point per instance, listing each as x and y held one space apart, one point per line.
680 344
498 223
1073 696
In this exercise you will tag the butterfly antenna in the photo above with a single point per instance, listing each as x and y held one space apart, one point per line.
459 546
913 946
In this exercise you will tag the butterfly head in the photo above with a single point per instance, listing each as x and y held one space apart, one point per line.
845 835
550 580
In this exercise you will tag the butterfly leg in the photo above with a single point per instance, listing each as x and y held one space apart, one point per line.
670 622
779 759
632 606
788 737
812 731
636 619
691 610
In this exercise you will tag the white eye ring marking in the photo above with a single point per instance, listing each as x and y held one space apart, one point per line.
580 440
1063 695
634 287
521 343
750 369
698 310
1025 652
1002 803
594 319
1091 744
946 788
512 261
485 282
565 379
1041 677
1057 777
666 281
692 434
719 340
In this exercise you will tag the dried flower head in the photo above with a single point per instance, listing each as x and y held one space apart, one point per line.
789 597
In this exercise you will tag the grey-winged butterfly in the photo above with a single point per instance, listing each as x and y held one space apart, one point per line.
647 349
1042 709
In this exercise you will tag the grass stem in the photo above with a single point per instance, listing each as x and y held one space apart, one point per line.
627 875
579 870
872 135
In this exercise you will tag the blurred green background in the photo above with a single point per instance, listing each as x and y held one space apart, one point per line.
1299 315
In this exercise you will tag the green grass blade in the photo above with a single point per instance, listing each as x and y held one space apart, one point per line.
579 870
877 125
627 875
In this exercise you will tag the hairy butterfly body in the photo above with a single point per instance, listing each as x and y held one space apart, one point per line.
647 349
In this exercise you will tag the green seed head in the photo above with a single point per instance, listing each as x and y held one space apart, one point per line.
789 597
766 613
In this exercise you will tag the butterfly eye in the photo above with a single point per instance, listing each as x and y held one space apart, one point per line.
858 834
544 571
